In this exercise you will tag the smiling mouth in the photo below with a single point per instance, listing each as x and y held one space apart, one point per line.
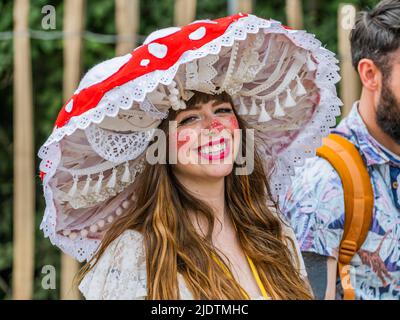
214 150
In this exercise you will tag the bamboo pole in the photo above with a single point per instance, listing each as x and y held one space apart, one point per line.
294 14
73 27
24 178
245 6
127 21
236 6
184 12
350 83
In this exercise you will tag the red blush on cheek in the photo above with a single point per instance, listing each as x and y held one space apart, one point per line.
181 140
217 125
233 123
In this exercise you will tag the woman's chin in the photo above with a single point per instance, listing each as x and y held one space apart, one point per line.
218 170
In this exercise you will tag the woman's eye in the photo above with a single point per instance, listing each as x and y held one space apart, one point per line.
223 110
187 120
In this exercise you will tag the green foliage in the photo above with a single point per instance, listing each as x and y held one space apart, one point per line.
320 17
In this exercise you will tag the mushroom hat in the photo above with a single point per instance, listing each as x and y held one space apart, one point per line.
282 83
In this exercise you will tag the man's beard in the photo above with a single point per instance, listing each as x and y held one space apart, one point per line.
388 113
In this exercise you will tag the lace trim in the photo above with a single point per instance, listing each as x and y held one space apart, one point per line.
118 147
202 80
147 106
100 190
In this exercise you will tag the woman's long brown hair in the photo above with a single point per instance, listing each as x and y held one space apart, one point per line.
173 246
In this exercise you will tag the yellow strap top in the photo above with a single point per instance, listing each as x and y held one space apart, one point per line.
255 274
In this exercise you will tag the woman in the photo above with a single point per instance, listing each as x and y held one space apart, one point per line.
192 226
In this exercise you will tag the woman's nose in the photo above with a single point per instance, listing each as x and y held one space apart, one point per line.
214 126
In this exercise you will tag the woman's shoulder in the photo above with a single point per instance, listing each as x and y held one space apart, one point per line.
131 238
126 246
120 272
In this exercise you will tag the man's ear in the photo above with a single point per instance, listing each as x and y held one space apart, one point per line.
370 75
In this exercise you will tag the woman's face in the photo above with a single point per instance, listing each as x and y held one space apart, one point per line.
205 140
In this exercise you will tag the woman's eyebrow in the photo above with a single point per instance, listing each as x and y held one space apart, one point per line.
214 104
217 103
198 106
192 108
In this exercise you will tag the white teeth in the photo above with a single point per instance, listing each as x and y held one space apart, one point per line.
214 149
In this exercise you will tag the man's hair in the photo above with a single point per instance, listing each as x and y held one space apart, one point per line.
376 34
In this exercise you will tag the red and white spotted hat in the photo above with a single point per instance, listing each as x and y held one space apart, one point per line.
281 80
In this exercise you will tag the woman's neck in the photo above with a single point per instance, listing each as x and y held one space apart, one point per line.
212 192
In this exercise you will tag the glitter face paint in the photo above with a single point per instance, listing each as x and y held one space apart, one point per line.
217 125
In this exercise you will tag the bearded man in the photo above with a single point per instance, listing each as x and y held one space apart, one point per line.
315 203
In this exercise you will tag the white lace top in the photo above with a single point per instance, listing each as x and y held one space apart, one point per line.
120 274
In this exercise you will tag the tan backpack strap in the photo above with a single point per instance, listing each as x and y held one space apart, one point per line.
358 201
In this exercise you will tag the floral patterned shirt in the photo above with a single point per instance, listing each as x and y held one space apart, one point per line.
314 205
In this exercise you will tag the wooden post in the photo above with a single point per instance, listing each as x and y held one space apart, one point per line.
294 14
126 20
245 6
73 27
24 177
184 12
350 82
236 6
